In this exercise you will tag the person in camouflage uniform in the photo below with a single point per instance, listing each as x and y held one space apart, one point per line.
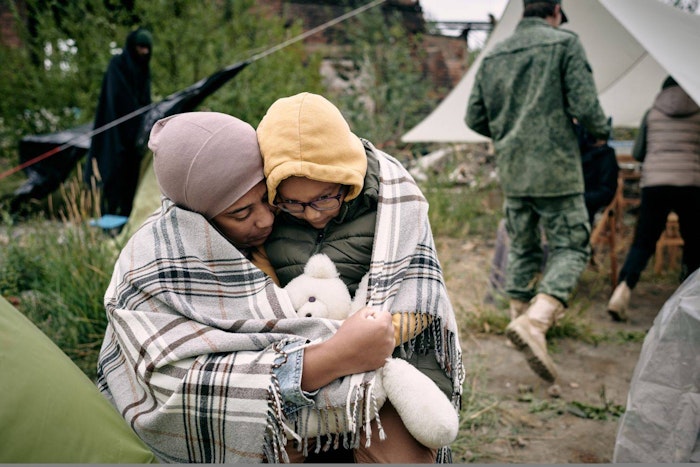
527 90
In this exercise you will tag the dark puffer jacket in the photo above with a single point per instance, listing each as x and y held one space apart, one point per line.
347 239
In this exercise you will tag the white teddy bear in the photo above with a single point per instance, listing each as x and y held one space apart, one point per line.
425 410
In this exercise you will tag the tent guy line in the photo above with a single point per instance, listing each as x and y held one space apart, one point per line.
146 108
313 31
77 139
625 73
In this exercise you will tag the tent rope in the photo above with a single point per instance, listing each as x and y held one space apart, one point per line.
148 107
625 73
312 31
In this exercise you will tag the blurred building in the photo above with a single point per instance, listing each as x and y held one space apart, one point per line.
444 55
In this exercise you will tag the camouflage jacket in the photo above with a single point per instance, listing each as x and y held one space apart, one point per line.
526 91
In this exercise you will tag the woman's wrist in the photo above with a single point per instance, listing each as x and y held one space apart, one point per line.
321 366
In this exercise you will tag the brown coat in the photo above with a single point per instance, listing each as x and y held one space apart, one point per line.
669 141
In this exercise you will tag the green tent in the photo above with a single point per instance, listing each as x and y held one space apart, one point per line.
50 411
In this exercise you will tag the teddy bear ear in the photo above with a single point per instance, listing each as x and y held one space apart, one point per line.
320 266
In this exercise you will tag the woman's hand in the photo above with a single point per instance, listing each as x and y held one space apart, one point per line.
362 343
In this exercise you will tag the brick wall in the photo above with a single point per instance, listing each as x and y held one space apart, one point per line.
8 34
446 59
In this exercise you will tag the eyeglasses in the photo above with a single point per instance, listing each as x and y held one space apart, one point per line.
322 204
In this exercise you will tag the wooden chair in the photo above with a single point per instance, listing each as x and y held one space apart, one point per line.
605 231
668 247
630 174
609 228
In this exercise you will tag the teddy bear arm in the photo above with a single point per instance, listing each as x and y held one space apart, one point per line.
424 409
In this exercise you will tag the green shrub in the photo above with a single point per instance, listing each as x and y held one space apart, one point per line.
59 273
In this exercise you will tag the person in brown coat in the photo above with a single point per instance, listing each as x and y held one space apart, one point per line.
668 144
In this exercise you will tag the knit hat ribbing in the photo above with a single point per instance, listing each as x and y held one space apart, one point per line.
205 161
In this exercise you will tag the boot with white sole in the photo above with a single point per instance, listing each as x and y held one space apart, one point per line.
619 302
527 333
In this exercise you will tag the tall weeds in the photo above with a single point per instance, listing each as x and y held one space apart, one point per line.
56 272
459 211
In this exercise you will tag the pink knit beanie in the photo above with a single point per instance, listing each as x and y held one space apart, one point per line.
205 161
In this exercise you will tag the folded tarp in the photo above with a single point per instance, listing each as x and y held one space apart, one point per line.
662 420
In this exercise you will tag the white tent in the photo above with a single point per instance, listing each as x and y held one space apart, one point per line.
632 45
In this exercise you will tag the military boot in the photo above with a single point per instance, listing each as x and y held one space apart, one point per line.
619 302
527 333
517 308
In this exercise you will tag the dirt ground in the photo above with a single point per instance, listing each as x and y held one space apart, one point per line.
531 422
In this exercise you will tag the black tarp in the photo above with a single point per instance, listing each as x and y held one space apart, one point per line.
57 153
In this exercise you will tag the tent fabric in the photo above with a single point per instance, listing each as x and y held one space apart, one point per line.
662 421
632 45
146 202
50 411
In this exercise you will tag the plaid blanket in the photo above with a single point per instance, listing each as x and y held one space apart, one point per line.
195 330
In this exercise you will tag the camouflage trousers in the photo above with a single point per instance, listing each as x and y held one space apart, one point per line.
563 220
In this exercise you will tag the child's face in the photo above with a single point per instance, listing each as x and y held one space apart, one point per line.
247 222
303 190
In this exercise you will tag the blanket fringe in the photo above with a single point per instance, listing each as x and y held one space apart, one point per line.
444 455
275 442
447 352
341 426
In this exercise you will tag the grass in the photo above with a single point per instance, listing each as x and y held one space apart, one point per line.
56 271
480 416
486 421
461 210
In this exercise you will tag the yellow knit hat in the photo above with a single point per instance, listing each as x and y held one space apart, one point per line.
306 136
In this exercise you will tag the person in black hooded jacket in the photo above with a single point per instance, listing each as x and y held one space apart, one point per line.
600 172
114 159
